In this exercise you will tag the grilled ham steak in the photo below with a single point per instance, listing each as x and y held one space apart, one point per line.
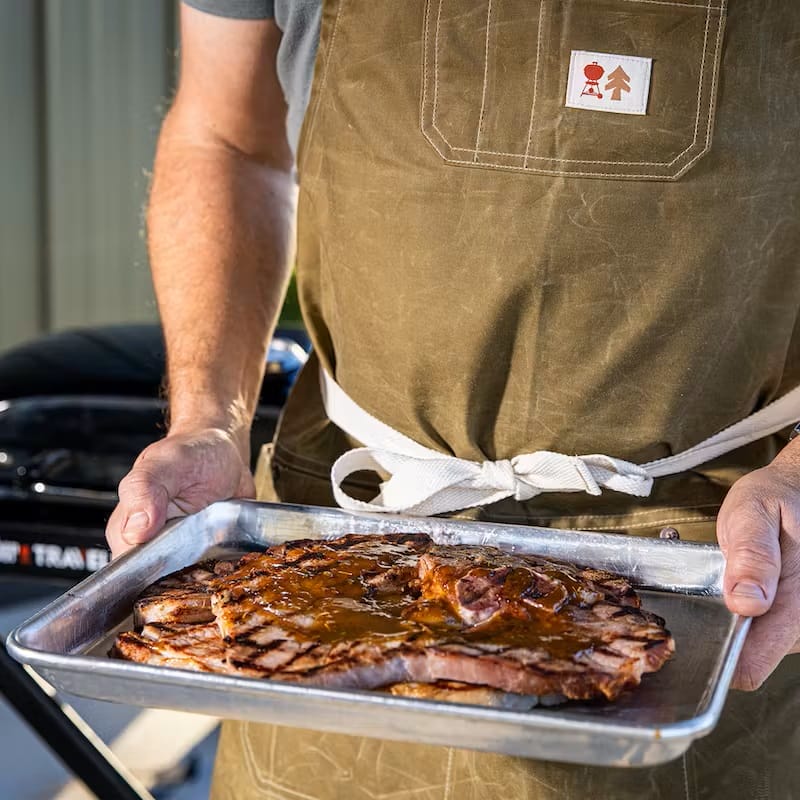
184 596
375 611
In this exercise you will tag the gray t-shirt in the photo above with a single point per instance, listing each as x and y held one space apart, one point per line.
299 21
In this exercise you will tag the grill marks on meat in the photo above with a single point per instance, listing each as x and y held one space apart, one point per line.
350 587
195 647
182 597
372 611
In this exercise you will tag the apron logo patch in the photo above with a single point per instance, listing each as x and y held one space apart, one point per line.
608 82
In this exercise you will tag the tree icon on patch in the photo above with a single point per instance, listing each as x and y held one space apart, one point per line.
618 82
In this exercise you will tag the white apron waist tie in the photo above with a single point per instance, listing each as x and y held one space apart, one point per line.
424 482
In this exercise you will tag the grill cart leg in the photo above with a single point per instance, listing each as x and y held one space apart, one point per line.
67 735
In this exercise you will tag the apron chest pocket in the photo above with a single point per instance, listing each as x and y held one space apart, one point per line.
495 79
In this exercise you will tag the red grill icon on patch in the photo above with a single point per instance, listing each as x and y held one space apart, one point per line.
593 73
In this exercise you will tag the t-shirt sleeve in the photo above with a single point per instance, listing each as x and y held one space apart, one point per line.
237 9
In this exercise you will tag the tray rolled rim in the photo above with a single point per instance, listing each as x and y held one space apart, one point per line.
445 523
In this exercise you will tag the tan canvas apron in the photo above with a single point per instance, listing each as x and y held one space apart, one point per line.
491 274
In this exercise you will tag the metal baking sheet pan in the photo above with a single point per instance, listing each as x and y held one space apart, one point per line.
67 642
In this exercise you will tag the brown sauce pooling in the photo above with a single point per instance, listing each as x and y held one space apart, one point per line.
372 593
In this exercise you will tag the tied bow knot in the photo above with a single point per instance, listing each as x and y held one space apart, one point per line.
428 483
501 475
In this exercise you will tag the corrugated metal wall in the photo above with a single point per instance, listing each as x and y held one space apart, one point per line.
83 85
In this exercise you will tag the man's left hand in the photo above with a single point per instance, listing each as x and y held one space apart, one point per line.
759 532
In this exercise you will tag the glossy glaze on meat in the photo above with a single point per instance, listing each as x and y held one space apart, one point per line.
373 611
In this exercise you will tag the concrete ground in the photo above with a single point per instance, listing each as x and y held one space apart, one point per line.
157 746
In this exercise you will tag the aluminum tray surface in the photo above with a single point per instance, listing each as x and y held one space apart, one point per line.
67 642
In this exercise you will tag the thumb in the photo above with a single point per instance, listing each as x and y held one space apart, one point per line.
749 535
144 498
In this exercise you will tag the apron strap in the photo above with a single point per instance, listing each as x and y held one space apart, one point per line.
421 481
777 415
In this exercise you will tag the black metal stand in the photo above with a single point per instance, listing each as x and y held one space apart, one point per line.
66 734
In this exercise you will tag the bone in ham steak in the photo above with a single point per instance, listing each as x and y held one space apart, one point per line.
376 611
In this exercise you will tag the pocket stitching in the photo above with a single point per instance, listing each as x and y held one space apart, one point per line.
535 84
525 156
485 76
720 7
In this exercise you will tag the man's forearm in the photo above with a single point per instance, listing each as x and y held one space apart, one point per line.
220 231
220 228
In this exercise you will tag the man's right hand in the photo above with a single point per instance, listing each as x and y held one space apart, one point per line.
178 475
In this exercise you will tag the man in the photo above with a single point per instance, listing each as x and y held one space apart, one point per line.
494 271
